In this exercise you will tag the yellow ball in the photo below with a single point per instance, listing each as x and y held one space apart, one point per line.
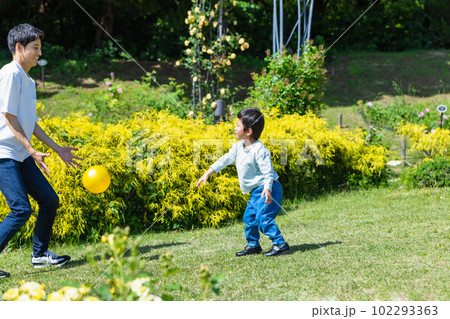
96 179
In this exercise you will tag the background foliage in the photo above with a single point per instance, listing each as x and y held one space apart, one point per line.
389 25
293 84
155 159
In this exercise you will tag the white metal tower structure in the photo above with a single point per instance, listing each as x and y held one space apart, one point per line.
303 25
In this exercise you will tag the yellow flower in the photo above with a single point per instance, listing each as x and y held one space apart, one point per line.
111 239
213 105
195 79
210 51
215 24
228 38
24 297
208 96
84 290
234 3
197 9
243 47
12 294
221 79
191 113
177 63
70 293
186 21
234 22
90 298
188 51
246 45
222 91
211 14
103 239
200 35
186 43
241 40
204 48
56 296
228 62
233 56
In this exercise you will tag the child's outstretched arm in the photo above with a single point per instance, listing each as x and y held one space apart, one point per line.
205 177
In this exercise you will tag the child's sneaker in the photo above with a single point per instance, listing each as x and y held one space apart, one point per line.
4 274
249 251
49 259
277 251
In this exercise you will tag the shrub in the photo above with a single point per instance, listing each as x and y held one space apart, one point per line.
433 172
293 84
155 158
433 143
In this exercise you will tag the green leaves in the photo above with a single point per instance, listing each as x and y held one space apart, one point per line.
293 84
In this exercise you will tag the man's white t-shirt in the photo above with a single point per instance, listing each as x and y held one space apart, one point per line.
17 97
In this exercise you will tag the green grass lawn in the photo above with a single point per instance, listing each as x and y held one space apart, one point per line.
378 244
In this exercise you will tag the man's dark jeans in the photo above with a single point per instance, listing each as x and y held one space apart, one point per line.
17 180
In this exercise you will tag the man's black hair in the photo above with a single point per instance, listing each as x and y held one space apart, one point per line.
23 34
252 118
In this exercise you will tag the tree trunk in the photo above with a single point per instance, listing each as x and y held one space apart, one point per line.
107 23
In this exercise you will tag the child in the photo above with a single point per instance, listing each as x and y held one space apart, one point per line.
256 176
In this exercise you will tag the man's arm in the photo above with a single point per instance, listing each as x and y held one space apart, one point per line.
17 129
64 152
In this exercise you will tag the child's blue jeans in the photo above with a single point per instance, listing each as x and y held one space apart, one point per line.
17 180
259 216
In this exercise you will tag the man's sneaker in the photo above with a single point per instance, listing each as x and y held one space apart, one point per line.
4 274
49 259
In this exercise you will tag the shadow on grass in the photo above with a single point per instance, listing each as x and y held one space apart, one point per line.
307 247
82 261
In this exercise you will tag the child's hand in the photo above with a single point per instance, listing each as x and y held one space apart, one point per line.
204 178
268 195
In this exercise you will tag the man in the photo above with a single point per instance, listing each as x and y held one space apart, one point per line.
19 174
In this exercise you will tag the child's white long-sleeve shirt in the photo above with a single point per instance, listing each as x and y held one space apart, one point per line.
254 166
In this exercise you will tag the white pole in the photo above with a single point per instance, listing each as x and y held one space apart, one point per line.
281 25
274 29
299 32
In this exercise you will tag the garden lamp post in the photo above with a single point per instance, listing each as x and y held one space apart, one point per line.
442 109
42 63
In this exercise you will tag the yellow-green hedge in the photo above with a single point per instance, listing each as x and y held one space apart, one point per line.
434 143
166 197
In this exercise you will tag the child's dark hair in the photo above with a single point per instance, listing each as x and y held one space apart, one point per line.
252 118
23 34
